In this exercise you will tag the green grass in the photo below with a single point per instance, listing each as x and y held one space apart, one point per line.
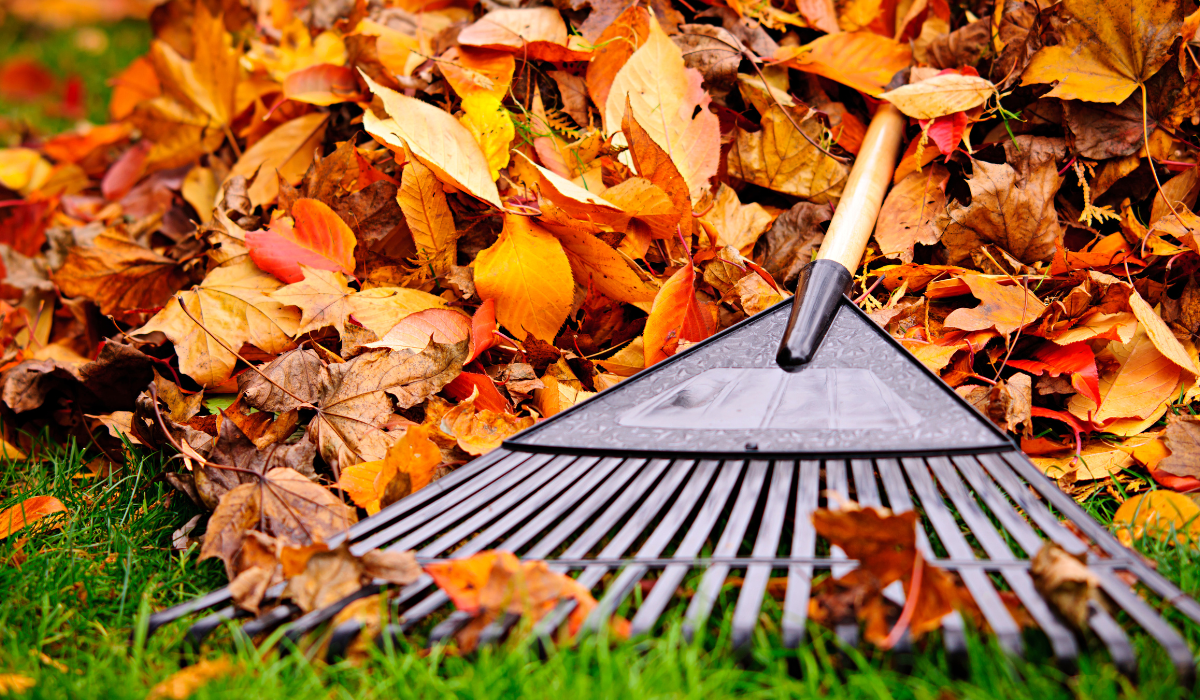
68 613
71 52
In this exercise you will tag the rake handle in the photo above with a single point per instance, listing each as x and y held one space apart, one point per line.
823 283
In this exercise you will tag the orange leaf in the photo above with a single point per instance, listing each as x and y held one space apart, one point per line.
28 511
677 316
415 331
487 396
483 329
614 47
319 239
415 455
1005 308
463 579
865 61
527 273
323 84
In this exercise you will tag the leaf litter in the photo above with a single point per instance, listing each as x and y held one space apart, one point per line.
328 252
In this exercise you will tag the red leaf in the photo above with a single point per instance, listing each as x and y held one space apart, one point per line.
125 173
483 329
947 131
676 316
415 330
489 397
319 239
25 80
1182 484
1075 359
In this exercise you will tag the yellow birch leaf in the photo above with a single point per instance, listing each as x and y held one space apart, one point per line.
529 276
669 103
492 126
423 202
436 139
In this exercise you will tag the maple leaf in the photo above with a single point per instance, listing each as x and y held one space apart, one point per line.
780 158
529 276
1005 308
233 307
409 466
666 99
910 213
352 398
1008 208
318 239
325 298
118 274
1106 52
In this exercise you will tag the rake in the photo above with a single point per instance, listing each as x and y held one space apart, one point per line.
710 464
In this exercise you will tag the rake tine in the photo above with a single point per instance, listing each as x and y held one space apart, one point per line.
1061 639
1107 629
1177 649
835 481
954 638
498 630
668 526
206 625
446 629
309 621
672 575
625 537
731 539
804 544
976 581
770 529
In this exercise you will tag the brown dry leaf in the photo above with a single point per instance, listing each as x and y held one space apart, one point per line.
779 158
299 512
667 100
285 153
233 449
238 511
352 398
1006 308
1066 582
911 213
233 307
328 576
119 274
1007 403
1183 440
1013 210
325 299
1105 54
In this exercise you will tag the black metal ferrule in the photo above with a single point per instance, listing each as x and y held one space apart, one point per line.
819 291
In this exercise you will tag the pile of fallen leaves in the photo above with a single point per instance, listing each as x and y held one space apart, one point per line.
327 251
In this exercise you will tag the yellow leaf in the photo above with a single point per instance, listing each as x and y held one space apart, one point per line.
1108 49
780 159
287 151
529 276
23 169
15 683
1142 381
436 139
428 215
200 190
186 681
492 126
940 95
738 225
1157 514
233 305
1161 335
1095 461
326 299
668 102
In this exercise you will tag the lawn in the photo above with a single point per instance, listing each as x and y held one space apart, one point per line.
77 599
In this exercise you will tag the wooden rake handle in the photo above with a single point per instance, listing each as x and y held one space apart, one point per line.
823 283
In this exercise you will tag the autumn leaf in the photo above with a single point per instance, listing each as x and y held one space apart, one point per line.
325 299
1075 359
864 61
910 214
285 153
229 309
186 681
479 431
941 95
323 84
614 46
536 32
408 466
738 225
1106 52
318 239
677 316
1005 308
423 202
119 274
436 139
667 100
1157 514
28 512
1139 386
780 158
529 276
1015 211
